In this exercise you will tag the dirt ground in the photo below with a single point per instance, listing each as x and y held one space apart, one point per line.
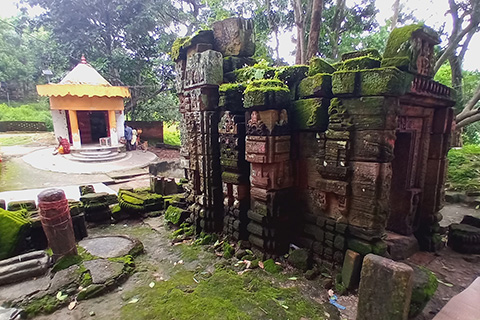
454 270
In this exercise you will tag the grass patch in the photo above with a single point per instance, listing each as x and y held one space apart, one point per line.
27 111
225 295
16 140
464 168
171 134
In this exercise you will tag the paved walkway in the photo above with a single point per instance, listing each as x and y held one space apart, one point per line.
43 159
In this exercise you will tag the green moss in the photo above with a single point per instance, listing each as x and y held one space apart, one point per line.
340 288
398 43
384 81
256 72
266 93
226 88
85 255
463 164
359 246
223 296
319 85
178 44
291 74
127 261
271 267
173 214
310 114
369 53
360 63
13 228
47 304
228 250
345 83
422 291
65 262
318 65
86 279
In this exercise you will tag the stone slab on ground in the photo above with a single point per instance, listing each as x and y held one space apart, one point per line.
401 247
18 291
385 289
108 246
102 270
463 306
63 278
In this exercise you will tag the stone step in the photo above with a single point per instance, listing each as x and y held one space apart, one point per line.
98 158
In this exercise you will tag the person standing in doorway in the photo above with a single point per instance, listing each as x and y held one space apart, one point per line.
128 137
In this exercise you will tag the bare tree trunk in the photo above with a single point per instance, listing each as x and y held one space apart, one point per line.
273 27
300 23
396 12
337 24
457 77
315 24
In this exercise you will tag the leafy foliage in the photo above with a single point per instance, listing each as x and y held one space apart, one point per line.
463 168
34 111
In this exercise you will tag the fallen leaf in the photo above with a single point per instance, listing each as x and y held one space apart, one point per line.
151 284
445 283
72 305
260 264
61 296
133 300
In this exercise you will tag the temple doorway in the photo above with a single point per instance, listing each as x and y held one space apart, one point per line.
92 126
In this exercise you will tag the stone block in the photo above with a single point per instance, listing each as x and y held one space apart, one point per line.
383 81
2 204
352 265
28 205
410 48
385 289
401 247
234 37
182 45
267 150
310 114
231 96
267 93
345 83
318 65
360 246
205 68
373 146
200 99
371 53
360 63
314 231
319 85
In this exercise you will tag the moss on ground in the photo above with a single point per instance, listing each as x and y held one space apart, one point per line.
173 214
464 168
46 304
225 295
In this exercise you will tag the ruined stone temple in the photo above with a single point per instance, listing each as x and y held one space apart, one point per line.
327 157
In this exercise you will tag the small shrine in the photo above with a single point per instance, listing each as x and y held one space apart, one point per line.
86 108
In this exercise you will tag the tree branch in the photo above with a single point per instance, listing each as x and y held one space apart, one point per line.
469 120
